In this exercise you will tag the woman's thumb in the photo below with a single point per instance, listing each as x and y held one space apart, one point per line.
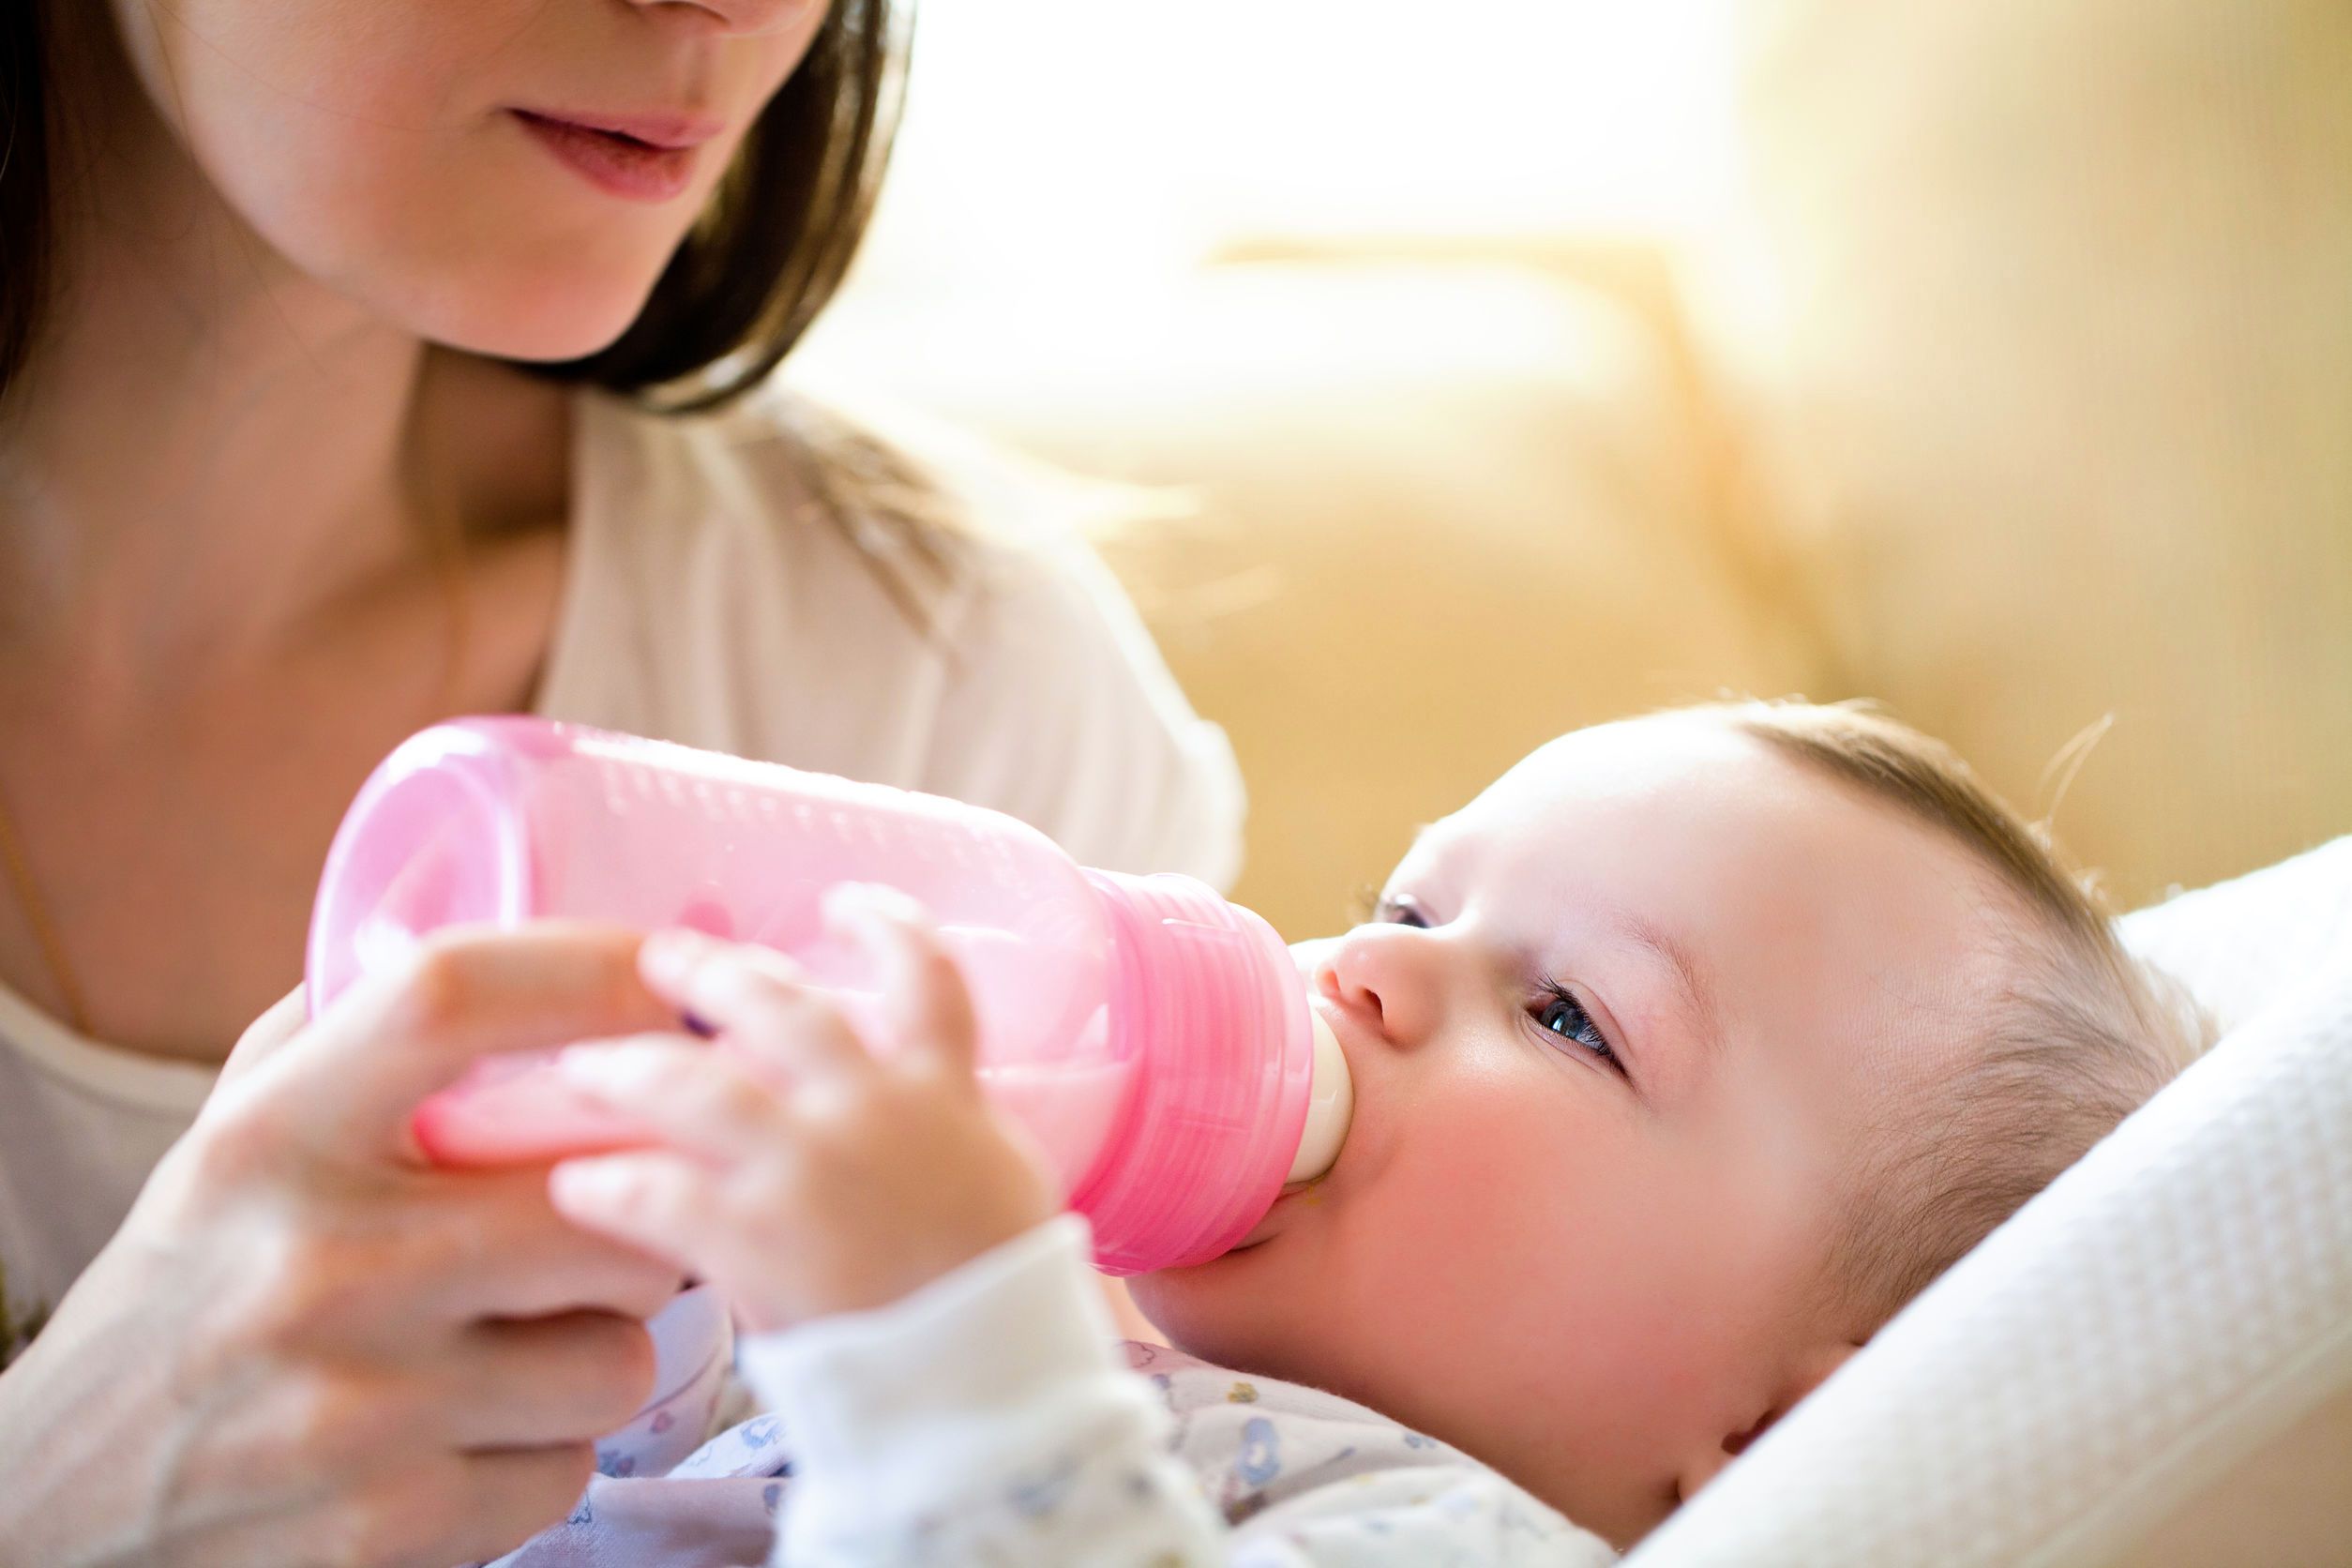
265 1034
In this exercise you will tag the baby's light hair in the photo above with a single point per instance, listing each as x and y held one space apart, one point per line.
2080 1035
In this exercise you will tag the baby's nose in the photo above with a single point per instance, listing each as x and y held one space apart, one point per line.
1389 977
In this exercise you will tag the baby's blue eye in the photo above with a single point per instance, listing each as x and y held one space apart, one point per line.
1561 1014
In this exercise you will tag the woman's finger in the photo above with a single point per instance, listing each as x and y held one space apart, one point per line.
555 1379
359 1071
507 1495
757 996
267 1035
926 1002
661 1202
694 1098
507 1252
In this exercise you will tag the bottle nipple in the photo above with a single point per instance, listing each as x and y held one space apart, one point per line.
1330 1101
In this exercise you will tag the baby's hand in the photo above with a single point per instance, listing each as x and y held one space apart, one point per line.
793 1168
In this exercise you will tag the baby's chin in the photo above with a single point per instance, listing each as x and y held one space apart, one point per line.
1240 1311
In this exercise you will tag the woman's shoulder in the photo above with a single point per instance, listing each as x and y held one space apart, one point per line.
784 481
847 587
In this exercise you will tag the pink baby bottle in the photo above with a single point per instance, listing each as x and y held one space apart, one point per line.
1154 1039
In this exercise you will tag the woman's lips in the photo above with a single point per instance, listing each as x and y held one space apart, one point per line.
647 158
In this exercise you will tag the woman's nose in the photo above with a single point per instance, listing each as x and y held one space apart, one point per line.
1392 976
745 16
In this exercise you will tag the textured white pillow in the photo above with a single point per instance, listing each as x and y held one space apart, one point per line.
2239 944
2179 1298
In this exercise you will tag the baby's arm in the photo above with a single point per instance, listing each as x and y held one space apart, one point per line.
926 1330
987 1419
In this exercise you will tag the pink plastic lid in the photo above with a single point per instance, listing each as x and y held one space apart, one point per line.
1208 1003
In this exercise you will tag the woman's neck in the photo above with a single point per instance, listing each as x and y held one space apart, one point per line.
210 452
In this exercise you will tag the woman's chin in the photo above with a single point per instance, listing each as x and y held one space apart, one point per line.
546 325
532 344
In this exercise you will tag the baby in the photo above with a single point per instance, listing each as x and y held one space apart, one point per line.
1683 1056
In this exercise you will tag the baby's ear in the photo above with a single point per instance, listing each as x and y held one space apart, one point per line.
1806 1372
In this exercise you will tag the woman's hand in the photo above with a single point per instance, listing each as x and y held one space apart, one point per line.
800 1172
305 1347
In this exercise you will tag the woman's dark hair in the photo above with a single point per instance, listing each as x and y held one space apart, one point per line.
740 290
782 230
24 185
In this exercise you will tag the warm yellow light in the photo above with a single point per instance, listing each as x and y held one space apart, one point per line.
1100 137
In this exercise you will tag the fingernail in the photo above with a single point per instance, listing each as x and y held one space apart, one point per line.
665 956
590 1181
607 1069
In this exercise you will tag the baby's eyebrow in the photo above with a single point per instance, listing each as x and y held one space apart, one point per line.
1689 980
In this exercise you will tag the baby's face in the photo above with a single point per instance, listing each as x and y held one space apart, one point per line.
1615 1031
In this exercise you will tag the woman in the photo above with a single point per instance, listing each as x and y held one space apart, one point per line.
327 331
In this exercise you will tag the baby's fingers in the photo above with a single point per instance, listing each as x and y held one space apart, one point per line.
757 996
927 1006
661 1204
694 1098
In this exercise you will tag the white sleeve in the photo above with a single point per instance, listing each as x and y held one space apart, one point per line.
987 1419
1058 708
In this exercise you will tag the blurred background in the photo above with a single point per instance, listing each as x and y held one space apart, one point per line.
1444 377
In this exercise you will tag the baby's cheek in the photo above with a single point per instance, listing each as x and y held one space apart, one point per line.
1502 1280
1562 1230
1480 1200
